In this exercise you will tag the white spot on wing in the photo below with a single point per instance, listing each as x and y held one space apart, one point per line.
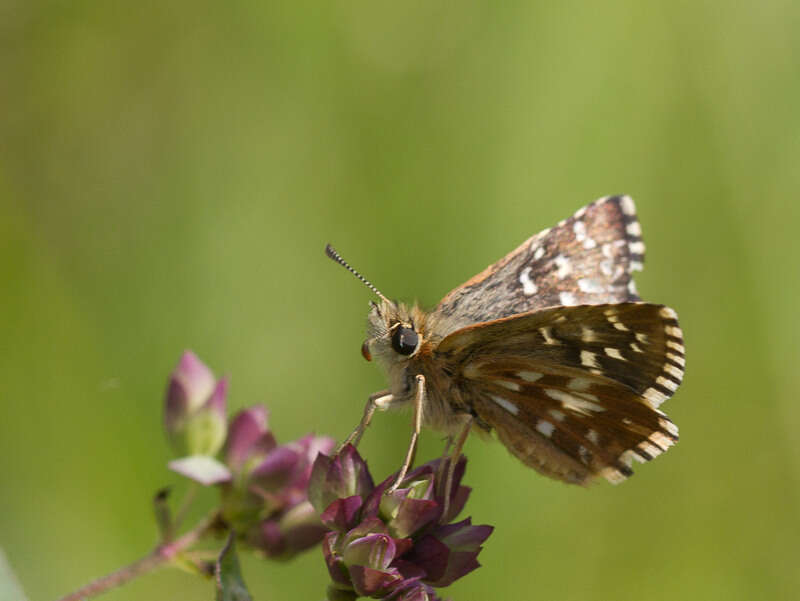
667 383
547 334
668 426
626 202
676 346
654 397
579 384
613 475
545 428
574 403
661 442
538 253
589 359
676 358
529 376
564 266
508 384
668 313
567 299
505 404
614 353
590 286
636 247
579 227
557 415
528 287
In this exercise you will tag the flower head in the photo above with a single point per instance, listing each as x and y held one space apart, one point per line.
396 545
265 497
263 484
194 415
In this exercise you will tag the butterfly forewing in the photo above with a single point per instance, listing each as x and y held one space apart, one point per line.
586 259
573 391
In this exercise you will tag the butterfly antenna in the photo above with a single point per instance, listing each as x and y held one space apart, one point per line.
332 254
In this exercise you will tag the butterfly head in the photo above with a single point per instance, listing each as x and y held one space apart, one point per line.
393 334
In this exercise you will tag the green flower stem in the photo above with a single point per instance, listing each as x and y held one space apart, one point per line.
188 498
162 554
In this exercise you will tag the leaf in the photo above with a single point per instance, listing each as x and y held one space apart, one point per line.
10 588
201 468
228 576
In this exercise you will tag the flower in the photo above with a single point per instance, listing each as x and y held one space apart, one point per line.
263 485
194 415
265 498
396 545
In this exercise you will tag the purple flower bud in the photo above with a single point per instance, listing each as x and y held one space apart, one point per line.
285 535
194 415
397 545
190 385
248 437
373 551
370 582
344 475
266 498
342 514
450 551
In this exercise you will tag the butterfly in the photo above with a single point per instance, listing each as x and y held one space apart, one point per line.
550 348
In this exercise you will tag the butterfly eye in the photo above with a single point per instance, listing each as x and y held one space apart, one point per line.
405 340
365 351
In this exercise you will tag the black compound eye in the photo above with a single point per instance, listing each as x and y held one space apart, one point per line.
405 340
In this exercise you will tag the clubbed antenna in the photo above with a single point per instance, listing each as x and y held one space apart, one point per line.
332 254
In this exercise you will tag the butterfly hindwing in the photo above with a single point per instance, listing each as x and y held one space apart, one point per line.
586 259
574 391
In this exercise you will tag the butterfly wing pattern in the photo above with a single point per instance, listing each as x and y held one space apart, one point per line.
586 259
573 391
571 369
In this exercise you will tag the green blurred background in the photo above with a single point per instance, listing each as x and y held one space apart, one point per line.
169 175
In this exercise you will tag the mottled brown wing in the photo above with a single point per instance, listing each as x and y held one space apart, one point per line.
573 391
586 259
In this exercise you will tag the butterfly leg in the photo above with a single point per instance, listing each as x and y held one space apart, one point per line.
451 466
440 470
412 446
376 400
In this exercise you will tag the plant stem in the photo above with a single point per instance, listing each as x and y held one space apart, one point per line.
191 493
162 554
